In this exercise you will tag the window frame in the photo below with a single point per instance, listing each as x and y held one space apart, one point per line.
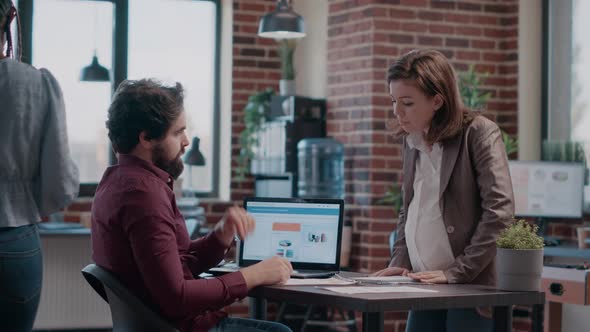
550 60
120 61
544 73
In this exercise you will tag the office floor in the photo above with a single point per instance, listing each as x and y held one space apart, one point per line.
294 327
75 330
293 319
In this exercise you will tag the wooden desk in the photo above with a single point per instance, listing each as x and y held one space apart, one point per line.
373 305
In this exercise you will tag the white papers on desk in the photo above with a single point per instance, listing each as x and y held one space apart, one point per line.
318 282
378 289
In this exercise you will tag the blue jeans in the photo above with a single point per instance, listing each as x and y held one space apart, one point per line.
21 272
248 325
452 320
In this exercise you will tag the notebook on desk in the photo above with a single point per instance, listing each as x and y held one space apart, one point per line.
307 232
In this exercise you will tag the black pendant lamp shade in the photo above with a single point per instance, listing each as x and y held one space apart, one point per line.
283 23
194 157
95 72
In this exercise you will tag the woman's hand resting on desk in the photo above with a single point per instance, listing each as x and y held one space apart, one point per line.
391 271
432 277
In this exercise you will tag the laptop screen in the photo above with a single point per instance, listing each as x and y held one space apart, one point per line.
304 231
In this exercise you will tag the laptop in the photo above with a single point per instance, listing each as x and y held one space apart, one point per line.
307 232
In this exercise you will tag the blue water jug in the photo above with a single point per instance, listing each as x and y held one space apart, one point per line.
320 168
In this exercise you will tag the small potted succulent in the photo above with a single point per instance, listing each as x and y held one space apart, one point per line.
519 257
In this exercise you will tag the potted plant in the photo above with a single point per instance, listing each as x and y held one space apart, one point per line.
255 113
475 99
472 96
286 52
519 257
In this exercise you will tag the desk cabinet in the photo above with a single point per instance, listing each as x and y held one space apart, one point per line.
67 301
563 285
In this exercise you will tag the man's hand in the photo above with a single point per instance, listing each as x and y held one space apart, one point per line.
274 270
433 277
391 271
235 221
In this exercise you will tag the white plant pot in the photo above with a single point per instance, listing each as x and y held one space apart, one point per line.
519 270
287 87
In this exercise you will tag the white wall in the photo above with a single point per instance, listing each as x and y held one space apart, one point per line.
225 105
311 53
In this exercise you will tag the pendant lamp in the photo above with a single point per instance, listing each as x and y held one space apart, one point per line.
95 72
283 23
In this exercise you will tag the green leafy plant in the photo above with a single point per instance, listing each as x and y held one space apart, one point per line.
255 113
286 52
476 99
469 85
510 143
393 196
520 235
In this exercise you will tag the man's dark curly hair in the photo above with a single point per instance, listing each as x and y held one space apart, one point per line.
142 105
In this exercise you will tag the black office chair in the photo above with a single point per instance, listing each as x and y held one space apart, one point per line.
128 312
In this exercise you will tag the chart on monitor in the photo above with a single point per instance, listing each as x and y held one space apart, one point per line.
547 189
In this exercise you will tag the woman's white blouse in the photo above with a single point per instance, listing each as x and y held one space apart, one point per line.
426 238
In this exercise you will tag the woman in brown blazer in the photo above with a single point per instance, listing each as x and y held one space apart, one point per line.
457 193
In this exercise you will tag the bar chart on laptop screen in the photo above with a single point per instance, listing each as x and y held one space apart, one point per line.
299 232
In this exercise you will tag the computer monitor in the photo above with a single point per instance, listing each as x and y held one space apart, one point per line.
547 189
307 232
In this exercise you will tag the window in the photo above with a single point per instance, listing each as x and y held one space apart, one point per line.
171 40
180 49
568 71
65 50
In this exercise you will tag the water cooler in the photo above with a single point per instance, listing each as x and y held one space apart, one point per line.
275 162
320 168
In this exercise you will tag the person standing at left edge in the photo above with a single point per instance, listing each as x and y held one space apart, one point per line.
37 174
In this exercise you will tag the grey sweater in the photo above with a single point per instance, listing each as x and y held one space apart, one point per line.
37 174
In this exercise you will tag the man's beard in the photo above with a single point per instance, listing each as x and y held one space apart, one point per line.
173 167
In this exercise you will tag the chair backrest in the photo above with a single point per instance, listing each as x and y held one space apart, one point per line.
128 312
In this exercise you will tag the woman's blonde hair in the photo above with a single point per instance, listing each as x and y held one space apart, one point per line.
432 73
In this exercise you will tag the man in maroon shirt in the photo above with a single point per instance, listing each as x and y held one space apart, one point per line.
140 236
